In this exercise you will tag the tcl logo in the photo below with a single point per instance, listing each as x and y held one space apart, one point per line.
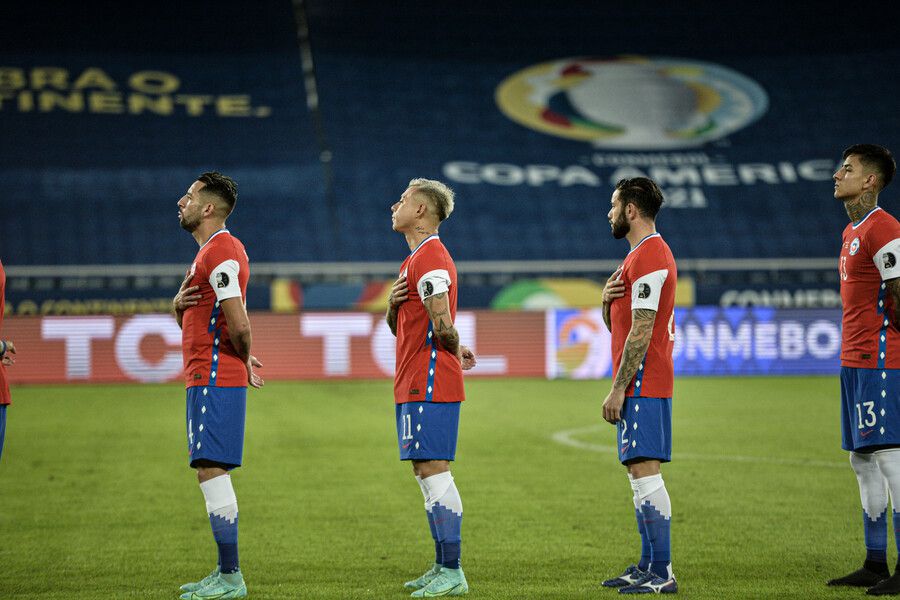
79 333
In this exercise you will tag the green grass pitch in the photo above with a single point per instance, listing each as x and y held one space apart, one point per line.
97 501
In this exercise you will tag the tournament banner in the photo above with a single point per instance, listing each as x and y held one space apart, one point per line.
568 343
709 340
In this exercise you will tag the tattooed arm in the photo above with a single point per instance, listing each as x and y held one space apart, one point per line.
636 345
438 308
893 290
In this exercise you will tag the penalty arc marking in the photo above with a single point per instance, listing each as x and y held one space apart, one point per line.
568 437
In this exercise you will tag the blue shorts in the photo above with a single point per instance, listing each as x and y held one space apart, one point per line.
645 430
427 430
870 407
2 426
215 424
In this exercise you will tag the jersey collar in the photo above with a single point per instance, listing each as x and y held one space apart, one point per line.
425 241
868 214
652 235
223 230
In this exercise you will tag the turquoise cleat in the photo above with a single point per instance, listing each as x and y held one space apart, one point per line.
425 579
193 587
223 587
448 582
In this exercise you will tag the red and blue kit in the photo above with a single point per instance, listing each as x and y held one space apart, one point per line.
214 374
222 270
870 351
428 382
649 274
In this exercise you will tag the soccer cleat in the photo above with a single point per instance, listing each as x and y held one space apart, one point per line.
425 579
651 584
193 587
629 576
448 582
886 587
219 589
863 577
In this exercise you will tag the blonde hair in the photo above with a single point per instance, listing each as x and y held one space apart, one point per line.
438 194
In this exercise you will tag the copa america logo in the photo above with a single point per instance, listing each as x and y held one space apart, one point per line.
632 102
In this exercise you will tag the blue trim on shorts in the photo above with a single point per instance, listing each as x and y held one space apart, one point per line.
427 430
215 418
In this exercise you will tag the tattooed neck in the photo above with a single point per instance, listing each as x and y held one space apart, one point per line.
422 231
857 208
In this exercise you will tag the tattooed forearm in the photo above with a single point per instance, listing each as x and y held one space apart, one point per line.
635 346
391 318
438 308
606 316
893 290
448 337
858 207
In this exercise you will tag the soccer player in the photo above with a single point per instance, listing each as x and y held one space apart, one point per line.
7 358
218 367
638 307
428 384
869 270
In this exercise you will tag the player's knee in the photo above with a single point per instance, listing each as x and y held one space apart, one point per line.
643 468
888 462
862 463
427 468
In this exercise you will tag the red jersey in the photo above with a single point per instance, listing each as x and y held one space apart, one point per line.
4 383
221 269
649 274
870 255
426 372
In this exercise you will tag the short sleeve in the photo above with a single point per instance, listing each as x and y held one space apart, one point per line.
887 259
647 289
436 281
224 280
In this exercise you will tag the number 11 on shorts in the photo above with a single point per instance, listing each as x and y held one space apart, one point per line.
407 426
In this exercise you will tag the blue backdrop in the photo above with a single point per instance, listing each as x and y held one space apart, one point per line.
530 112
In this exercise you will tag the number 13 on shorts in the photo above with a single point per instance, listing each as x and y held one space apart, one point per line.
865 412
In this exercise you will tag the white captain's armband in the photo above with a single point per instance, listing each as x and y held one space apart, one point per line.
224 280
888 260
646 290
433 282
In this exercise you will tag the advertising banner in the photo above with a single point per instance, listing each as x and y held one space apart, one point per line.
568 343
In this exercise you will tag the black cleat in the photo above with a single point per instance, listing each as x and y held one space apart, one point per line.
868 576
886 587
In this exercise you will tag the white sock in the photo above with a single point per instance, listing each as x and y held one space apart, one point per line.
220 498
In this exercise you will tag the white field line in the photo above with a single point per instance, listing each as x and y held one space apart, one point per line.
568 438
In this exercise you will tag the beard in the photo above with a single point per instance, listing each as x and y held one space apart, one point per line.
189 225
620 227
